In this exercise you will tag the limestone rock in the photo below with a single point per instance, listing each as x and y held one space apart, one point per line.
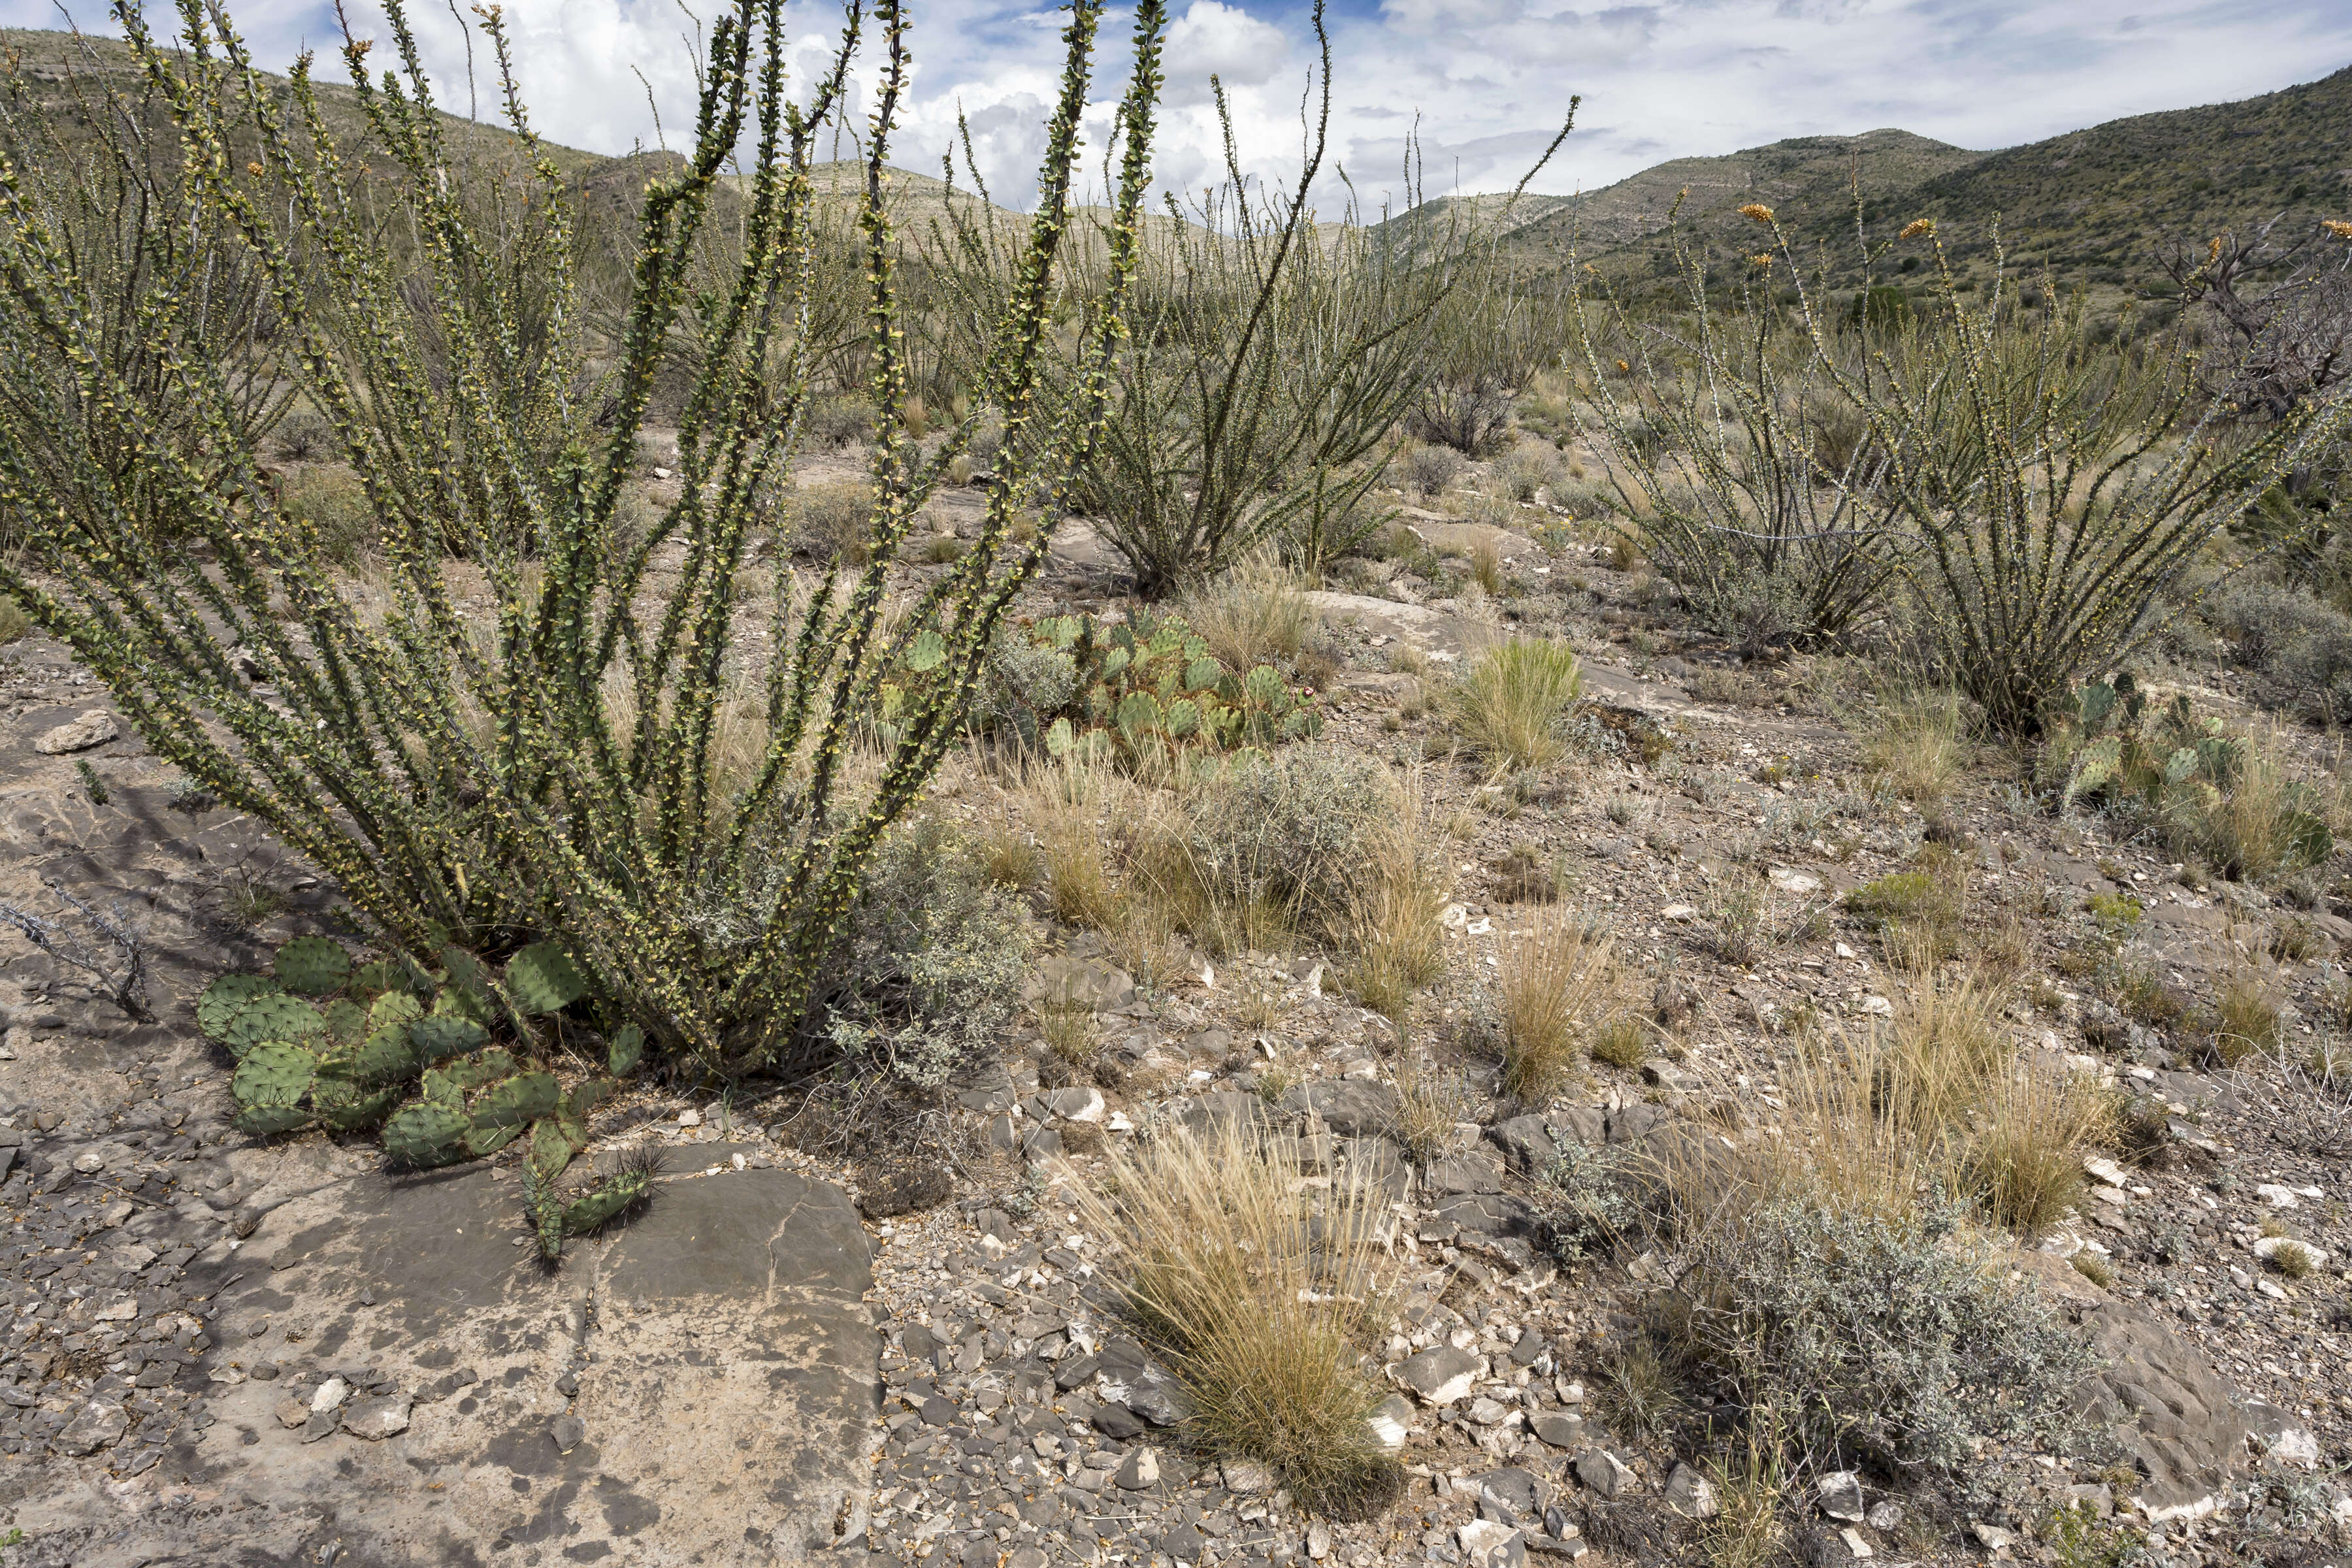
1441 1375
94 728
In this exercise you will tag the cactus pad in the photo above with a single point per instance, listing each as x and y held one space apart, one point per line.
225 996
517 1101
394 1009
425 1134
347 1021
312 966
543 979
627 1049
347 1106
608 1200
443 1035
274 1073
382 976
269 1120
463 1075
273 1015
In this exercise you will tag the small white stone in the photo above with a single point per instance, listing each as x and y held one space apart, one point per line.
1678 912
2277 1196
1877 1007
689 1118
332 1393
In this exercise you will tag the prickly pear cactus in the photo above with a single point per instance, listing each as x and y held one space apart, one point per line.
1151 688
312 966
388 1045
427 1132
272 1079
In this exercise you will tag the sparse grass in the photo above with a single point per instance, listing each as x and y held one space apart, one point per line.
2023 1161
1919 745
1525 469
1739 920
14 623
1555 983
1253 615
941 550
2094 1268
1262 1298
1012 858
2292 1258
1746 1532
1637 1392
1428 1108
829 521
1068 1030
1618 1043
1917 911
1486 567
1391 924
2245 1018
1510 703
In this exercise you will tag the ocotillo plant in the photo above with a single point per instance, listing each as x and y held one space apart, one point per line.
467 781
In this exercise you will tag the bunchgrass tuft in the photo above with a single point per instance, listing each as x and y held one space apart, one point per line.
1511 704
1261 1297
1555 985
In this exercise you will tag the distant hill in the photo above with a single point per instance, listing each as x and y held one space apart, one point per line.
2093 204
1803 176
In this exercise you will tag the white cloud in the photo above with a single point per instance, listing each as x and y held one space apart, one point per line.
1483 83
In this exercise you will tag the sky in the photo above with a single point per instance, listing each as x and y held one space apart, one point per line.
1480 87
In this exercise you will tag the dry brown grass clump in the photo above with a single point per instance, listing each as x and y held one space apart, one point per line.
1938 1101
1919 745
1392 926
1254 614
2024 1159
2245 1018
1556 985
1262 1298
1429 1108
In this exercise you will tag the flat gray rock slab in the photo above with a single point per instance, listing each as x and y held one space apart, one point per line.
699 1386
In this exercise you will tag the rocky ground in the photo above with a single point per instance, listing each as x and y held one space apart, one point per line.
220 1350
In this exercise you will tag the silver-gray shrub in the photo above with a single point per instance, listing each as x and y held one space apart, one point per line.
1874 1342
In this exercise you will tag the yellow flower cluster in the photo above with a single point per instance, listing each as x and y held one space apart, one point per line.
2336 226
1756 212
1918 227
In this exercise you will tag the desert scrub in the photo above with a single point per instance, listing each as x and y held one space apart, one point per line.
1263 1297
1893 1342
1511 702
932 972
1918 745
1554 984
1271 847
1430 470
358 749
828 522
2046 490
1917 912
